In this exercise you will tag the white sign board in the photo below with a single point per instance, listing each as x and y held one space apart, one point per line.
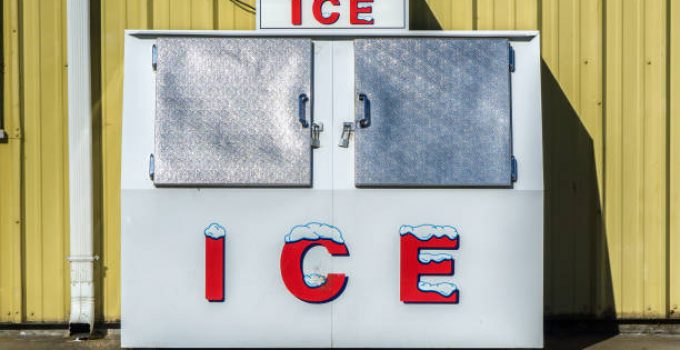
333 14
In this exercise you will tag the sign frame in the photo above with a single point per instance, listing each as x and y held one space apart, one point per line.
336 29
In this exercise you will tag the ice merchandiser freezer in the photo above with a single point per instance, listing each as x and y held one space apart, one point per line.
373 190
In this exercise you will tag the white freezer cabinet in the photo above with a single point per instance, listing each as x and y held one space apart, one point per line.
332 191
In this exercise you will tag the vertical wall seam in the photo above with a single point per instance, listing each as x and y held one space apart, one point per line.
475 15
603 134
539 18
674 164
557 58
512 14
40 159
668 213
66 290
22 155
642 120
125 11
149 14
621 170
577 43
22 163
642 143
215 14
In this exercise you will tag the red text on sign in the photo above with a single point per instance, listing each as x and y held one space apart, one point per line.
317 9
292 257
357 8
413 290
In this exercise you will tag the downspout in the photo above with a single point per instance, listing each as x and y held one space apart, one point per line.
81 257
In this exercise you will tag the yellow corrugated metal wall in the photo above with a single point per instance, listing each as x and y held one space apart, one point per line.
612 145
10 172
34 173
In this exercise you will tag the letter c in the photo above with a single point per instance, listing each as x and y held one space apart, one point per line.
293 255
318 14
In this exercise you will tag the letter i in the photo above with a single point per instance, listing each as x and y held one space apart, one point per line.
296 12
215 235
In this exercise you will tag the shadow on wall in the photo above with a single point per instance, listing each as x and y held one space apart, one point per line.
421 16
578 282
578 278
97 159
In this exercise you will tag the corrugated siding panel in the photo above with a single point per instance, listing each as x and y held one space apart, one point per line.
10 172
674 149
655 164
45 160
636 119
613 146
116 16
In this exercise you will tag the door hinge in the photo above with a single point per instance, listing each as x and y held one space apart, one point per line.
154 56
513 169
511 54
152 167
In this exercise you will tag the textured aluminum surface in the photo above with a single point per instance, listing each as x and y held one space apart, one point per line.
227 112
440 113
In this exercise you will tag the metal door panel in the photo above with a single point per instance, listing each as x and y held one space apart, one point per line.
227 112
439 113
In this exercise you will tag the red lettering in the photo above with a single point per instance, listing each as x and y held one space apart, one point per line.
296 12
215 235
318 13
293 255
355 10
415 264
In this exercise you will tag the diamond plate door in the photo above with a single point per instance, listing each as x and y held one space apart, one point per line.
432 113
228 110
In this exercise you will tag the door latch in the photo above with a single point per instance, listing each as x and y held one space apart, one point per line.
317 128
347 129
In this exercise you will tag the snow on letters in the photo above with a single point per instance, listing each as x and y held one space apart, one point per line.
314 231
426 231
215 231
315 280
427 257
443 288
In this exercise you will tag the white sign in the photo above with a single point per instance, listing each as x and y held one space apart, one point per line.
333 14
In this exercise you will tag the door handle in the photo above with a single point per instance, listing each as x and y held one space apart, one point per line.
365 121
302 110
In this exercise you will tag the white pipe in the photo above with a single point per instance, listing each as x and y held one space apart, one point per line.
81 257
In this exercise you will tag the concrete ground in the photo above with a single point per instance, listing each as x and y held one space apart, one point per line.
57 340
617 342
